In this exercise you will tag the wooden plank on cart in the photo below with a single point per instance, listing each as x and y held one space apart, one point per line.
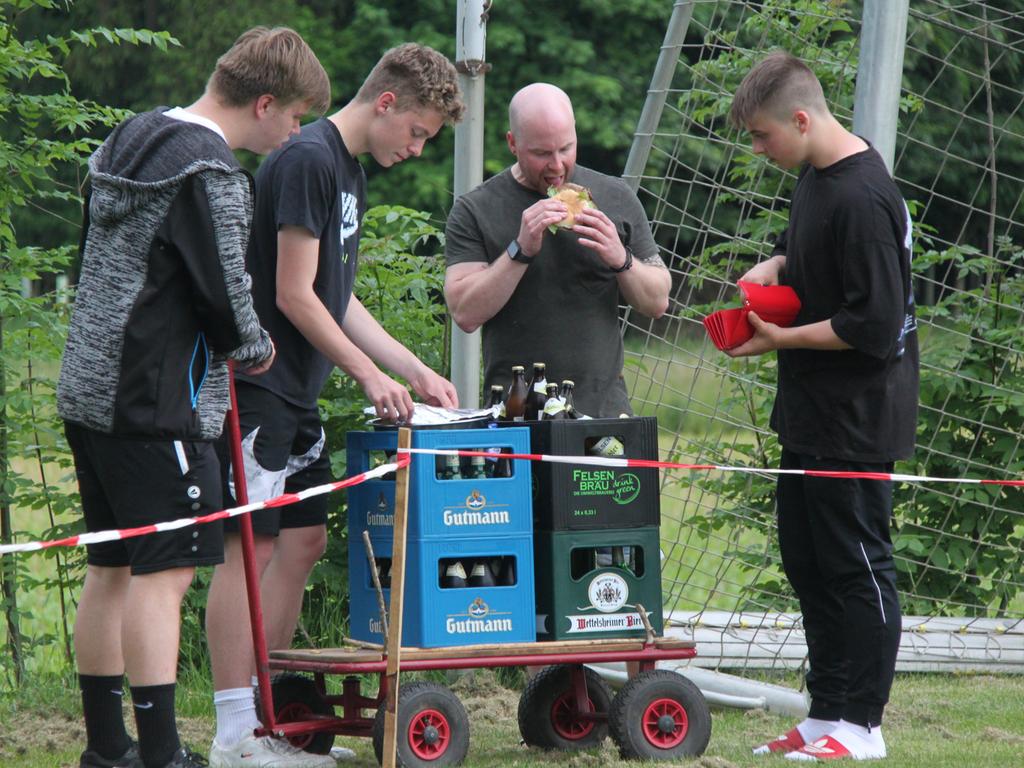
343 655
394 644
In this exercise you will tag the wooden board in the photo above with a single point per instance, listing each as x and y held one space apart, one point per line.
344 655
394 641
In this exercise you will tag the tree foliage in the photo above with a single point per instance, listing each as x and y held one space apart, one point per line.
43 139
602 52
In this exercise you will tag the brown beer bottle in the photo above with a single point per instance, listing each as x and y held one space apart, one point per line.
497 398
481 575
538 393
497 401
515 403
554 408
565 393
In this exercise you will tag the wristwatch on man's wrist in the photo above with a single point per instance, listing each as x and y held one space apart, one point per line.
516 254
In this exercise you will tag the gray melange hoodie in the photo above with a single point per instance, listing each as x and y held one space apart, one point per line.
163 298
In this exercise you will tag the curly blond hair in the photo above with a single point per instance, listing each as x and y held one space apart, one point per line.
420 77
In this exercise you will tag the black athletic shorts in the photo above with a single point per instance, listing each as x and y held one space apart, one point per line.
283 449
127 483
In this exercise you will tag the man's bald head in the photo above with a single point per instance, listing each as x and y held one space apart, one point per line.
538 103
542 136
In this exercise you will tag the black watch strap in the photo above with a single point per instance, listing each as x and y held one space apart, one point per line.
516 253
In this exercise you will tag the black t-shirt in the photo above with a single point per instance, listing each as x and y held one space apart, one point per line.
848 251
311 182
565 310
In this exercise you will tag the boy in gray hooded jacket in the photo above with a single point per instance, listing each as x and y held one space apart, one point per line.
162 303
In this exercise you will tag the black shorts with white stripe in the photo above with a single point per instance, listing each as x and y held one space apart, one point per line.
128 483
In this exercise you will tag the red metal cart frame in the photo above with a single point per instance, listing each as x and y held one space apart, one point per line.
661 723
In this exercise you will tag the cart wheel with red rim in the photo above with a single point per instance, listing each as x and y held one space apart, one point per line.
432 727
297 698
549 716
660 715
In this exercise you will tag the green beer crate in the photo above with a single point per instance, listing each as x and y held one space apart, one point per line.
589 497
588 583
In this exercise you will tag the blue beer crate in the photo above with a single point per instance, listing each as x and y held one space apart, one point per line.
439 507
435 616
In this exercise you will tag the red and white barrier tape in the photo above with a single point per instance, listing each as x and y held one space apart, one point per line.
599 461
602 461
278 501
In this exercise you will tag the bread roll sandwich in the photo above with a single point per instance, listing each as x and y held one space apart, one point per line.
575 197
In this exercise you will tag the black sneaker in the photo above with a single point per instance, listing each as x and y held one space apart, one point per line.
130 759
186 758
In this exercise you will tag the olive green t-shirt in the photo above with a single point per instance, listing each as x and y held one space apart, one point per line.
565 310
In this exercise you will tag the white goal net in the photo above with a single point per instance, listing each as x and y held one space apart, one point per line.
714 206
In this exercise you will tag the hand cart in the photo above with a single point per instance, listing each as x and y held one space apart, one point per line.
658 714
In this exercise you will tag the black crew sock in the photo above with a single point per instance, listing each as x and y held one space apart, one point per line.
104 720
154 716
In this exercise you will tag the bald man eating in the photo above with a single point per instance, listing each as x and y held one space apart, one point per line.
552 295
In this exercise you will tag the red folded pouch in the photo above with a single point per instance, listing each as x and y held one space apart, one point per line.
729 328
777 304
712 330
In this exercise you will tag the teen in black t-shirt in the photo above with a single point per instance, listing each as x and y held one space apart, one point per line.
846 400
313 183
310 197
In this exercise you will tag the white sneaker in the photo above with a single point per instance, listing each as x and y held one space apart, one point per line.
341 754
265 752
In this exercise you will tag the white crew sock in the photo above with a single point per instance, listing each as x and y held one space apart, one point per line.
813 729
236 715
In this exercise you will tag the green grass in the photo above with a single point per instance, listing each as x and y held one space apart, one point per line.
933 721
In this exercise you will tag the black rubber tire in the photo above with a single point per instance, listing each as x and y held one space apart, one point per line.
295 698
660 715
545 719
422 706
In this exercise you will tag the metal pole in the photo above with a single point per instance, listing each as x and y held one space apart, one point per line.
470 47
682 12
876 106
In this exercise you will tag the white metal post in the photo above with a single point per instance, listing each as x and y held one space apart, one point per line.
640 150
876 107
470 49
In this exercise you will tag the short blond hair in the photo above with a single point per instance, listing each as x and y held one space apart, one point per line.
420 77
778 84
273 61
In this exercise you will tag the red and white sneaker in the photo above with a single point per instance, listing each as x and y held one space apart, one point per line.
787 742
830 748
